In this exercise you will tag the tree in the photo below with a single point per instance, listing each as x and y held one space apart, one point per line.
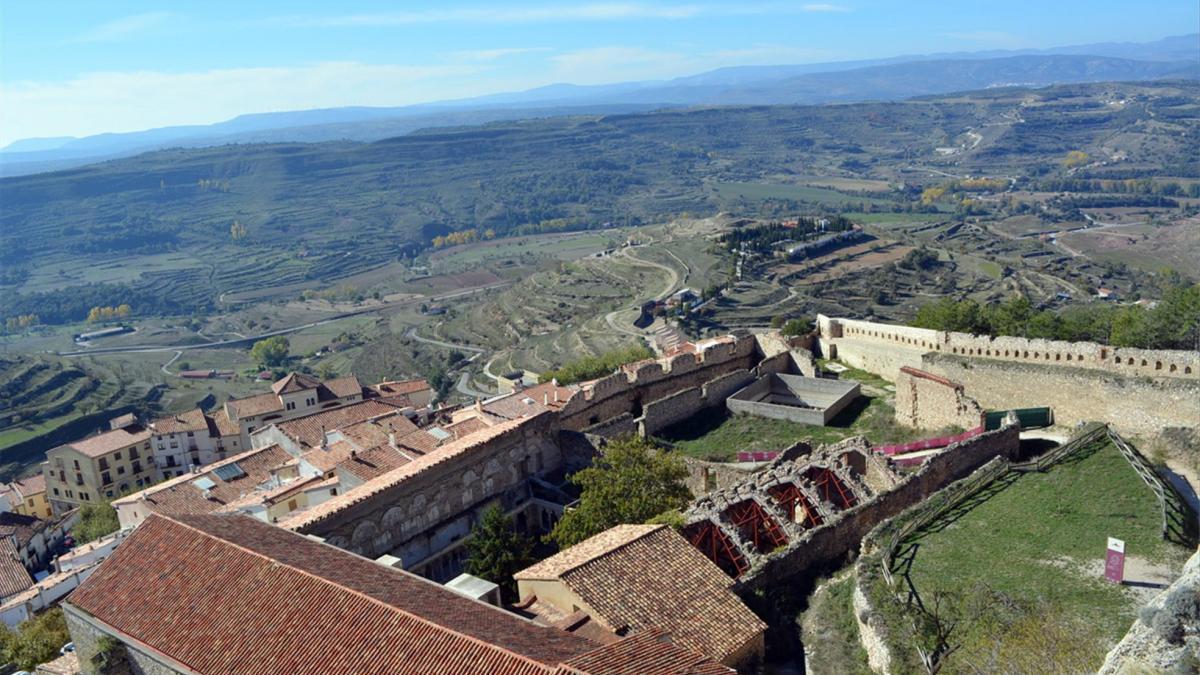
630 482
95 521
270 352
238 231
796 327
36 640
496 551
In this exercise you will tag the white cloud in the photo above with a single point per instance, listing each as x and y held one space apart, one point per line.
130 101
611 11
118 29
493 54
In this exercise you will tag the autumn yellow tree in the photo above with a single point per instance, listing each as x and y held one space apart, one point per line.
1075 158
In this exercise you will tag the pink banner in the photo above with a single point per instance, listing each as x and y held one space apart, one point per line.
928 443
1114 561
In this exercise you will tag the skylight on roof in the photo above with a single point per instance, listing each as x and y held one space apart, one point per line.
204 483
229 472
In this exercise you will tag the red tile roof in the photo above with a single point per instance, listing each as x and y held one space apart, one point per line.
14 578
310 429
192 420
29 486
648 576
373 462
232 594
294 382
651 652
401 387
179 496
111 441
258 404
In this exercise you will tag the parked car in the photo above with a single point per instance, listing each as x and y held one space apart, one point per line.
67 648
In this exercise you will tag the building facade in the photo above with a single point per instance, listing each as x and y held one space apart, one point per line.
101 467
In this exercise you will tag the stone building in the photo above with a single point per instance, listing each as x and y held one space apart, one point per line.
101 467
295 395
634 577
192 438
27 496
231 594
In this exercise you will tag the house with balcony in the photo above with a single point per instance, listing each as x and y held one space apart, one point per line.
193 438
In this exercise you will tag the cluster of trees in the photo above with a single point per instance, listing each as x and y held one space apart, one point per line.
463 237
67 305
591 367
1174 323
1142 186
238 231
1075 158
763 238
271 352
792 327
109 313
14 324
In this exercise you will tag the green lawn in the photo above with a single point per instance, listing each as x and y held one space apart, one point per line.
719 436
1022 561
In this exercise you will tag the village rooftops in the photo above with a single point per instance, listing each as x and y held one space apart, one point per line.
222 579
29 486
639 577
219 485
401 387
529 402
193 420
373 462
269 402
310 430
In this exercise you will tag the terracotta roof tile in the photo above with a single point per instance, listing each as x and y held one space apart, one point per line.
111 441
401 387
373 462
233 595
294 382
29 486
310 430
20 526
192 420
258 404
647 576
14 578
180 496
343 387
647 653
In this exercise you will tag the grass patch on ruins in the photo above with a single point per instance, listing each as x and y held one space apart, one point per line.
831 638
1021 564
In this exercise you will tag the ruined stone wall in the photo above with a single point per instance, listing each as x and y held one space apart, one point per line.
928 401
704 477
621 425
884 360
409 513
1132 405
87 633
853 336
842 533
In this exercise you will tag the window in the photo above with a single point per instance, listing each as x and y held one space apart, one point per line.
103 463
79 479
76 465
105 478
84 496
133 453
120 471
117 456
108 494
291 405
292 505
191 433
137 467
55 492
70 494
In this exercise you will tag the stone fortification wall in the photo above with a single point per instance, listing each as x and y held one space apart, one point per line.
853 336
704 477
928 401
844 531
639 383
677 407
1132 405
406 509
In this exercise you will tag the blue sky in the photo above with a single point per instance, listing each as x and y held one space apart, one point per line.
80 68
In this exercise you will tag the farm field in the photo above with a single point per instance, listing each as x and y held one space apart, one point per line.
1147 247
804 193
1047 605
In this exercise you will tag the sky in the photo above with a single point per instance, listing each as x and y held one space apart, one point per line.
72 68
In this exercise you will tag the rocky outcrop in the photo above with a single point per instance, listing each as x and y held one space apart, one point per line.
1166 636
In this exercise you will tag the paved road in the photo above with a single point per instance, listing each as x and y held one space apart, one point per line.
412 333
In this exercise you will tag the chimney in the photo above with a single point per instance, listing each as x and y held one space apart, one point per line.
391 442
556 393
479 404
546 399
554 381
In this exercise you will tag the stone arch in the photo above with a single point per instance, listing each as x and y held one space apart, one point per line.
1187 370
1144 363
1158 365
393 518
1058 357
1173 368
1026 353
363 533
1129 362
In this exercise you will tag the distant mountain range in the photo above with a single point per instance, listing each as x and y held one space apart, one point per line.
849 81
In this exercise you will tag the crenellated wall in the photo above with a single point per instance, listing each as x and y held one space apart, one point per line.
851 335
640 383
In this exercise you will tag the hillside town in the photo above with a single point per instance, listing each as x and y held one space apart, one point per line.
363 500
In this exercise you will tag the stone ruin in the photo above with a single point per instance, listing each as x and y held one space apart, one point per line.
776 507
